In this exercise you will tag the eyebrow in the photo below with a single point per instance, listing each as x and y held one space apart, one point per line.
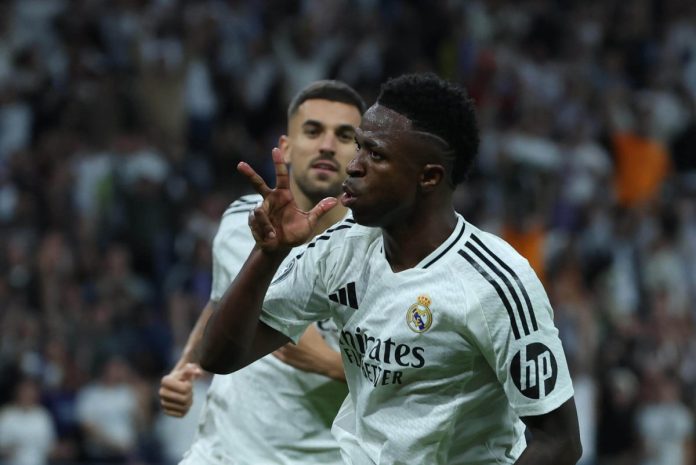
341 128
345 127
362 140
312 122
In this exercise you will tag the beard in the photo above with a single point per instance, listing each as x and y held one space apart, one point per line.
318 187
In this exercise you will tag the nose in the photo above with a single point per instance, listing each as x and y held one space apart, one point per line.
355 167
328 144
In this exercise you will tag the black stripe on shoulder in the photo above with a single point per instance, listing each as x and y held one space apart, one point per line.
327 234
498 290
247 200
339 227
506 281
461 232
518 281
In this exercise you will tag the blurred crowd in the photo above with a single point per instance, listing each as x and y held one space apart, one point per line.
122 121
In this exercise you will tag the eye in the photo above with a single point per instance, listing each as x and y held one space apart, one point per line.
345 137
311 132
375 156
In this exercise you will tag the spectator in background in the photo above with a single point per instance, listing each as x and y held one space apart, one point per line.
665 425
642 161
106 108
110 412
27 434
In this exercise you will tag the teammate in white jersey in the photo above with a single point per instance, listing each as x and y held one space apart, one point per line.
272 413
447 335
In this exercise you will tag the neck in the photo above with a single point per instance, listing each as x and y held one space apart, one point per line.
407 243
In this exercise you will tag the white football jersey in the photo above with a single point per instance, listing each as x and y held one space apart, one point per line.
268 413
441 359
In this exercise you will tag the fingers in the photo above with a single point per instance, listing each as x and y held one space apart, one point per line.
176 395
320 209
261 227
191 371
281 169
256 181
175 405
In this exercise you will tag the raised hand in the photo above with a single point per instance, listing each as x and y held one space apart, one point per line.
278 223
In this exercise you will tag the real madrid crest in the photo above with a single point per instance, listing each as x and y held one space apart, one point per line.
419 317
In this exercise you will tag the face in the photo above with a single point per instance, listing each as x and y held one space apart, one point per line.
319 145
386 175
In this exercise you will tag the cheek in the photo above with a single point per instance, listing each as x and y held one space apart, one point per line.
345 153
303 152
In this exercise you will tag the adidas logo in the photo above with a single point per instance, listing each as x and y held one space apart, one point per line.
346 296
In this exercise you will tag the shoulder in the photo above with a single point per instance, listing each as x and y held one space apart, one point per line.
241 207
487 248
345 235
497 272
236 215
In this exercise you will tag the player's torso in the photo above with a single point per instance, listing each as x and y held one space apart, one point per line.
240 422
412 371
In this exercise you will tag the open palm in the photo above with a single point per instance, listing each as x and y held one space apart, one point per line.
278 223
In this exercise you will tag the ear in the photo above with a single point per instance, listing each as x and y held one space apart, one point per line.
285 148
431 177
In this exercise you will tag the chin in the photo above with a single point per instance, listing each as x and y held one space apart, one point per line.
366 219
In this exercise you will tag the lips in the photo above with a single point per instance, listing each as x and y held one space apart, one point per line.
325 165
349 196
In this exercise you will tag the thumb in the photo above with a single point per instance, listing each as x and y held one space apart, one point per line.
321 209
191 371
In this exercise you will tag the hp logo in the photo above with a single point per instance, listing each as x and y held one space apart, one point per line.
534 371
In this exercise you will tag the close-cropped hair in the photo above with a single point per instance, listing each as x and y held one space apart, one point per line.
333 91
439 107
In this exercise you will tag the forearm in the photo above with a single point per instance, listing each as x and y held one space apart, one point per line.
231 328
555 437
548 452
334 369
191 351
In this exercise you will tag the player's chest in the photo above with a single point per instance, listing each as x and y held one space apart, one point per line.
398 327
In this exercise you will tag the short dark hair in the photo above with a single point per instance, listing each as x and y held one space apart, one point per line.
334 91
439 107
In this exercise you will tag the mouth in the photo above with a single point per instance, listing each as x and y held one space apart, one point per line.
325 166
348 198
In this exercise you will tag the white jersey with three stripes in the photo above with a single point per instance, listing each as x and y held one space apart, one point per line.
268 413
442 359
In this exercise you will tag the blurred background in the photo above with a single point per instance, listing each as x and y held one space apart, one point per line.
122 121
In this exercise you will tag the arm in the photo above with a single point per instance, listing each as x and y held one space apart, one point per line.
234 336
176 388
555 437
313 354
191 352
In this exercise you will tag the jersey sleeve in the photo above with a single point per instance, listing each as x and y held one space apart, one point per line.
514 330
297 295
231 247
